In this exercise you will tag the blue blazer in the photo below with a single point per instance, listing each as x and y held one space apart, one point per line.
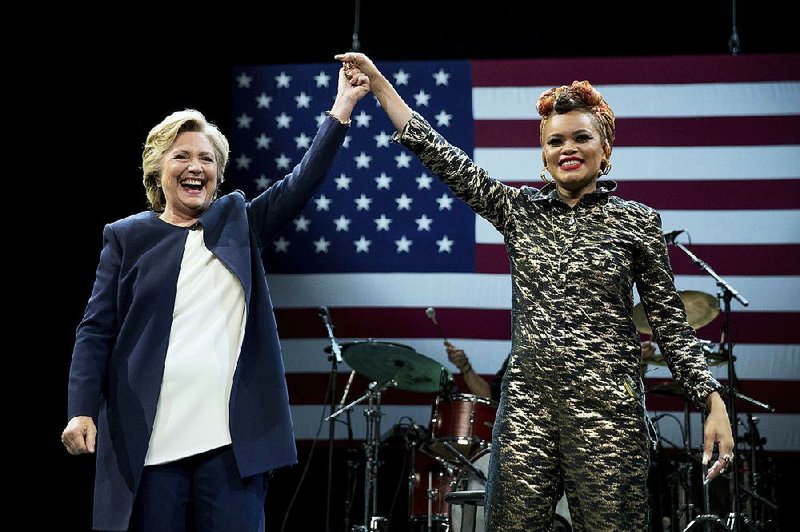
121 342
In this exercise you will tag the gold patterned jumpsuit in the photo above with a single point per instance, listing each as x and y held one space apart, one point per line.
565 418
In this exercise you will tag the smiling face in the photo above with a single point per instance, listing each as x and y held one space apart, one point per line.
573 149
188 177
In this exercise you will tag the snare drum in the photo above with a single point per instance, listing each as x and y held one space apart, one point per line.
464 421
469 480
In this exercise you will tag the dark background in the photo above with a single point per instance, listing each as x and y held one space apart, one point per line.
94 84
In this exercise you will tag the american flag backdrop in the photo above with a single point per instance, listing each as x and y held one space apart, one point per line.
711 142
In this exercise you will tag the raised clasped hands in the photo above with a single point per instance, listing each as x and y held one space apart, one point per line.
355 65
352 82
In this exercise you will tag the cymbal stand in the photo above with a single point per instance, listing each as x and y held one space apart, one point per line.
371 448
411 447
753 478
751 437
726 293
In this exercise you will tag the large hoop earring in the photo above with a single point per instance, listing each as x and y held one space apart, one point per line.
605 167
542 176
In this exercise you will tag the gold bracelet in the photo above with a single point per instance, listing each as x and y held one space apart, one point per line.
343 122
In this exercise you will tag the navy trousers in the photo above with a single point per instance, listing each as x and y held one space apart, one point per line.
202 493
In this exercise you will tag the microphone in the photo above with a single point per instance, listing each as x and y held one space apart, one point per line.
670 237
323 313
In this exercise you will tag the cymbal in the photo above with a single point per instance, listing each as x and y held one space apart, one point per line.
381 361
701 309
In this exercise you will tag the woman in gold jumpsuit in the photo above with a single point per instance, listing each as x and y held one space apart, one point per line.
569 414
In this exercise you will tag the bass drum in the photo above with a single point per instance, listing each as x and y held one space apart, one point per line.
469 480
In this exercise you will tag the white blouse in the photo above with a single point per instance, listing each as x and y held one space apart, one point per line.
207 331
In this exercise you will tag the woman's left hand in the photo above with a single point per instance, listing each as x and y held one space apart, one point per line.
717 429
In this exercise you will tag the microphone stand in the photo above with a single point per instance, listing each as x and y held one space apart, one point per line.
727 292
351 464
335 358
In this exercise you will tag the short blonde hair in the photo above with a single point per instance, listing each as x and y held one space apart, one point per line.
160 140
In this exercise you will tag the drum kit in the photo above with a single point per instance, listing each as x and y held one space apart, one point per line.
449 456
449 459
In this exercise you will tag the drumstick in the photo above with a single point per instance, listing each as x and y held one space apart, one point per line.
347 386
431 313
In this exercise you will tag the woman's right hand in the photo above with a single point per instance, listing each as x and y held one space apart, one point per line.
80 435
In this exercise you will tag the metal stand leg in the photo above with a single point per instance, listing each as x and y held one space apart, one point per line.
688 506
371 448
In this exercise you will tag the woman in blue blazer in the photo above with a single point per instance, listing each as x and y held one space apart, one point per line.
177 378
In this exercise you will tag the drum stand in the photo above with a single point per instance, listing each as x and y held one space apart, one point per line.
680 481
371 448
683 509
753 478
